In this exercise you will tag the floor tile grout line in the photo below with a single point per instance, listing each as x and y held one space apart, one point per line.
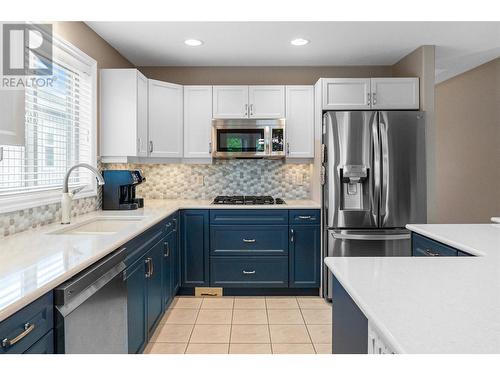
307 330
194 326
269 327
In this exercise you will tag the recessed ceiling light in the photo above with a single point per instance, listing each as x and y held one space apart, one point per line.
299 42
193 42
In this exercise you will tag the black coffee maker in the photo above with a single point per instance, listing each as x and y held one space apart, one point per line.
118 192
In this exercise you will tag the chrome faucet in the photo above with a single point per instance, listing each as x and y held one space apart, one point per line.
67 197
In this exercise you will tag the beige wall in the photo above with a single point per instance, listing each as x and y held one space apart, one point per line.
421 63
275 75
468 146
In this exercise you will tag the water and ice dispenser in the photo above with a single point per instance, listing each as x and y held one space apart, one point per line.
354 190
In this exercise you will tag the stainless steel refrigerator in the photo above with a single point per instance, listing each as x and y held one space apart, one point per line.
374 183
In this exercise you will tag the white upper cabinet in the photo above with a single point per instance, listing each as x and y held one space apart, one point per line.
395 93
346 93
165 117
197 121
123 113
370 93
230 101
12 117
300 121
266 101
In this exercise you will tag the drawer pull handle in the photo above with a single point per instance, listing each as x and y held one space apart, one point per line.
248 241
28 328
431 253
248 272
305 217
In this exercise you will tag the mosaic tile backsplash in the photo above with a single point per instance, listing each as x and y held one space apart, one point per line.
223 177
182 181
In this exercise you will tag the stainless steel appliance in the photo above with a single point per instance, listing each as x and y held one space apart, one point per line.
118 192
374 182
91 309
248 138
247 199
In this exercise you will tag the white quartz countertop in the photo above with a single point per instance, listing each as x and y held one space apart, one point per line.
35 262
432 304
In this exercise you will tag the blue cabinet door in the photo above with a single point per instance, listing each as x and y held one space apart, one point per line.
167 270
175 257
136 305
194 248
155 304
423 247
304 256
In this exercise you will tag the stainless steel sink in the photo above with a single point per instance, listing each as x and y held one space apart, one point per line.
103 225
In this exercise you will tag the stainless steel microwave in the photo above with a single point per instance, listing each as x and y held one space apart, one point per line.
248 138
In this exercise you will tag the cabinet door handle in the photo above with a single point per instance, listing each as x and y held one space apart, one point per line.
292 235
28 328
167 249
175 224
249 240
151 146
431 253
209 147
246 109
251 109
248 272
288 148
305 217
374 98
369 98
148 270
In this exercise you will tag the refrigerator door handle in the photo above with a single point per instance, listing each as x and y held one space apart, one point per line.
376 170
384 211
371 237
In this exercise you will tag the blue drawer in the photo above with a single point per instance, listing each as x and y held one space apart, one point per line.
43 346
37 318
304 216
249 272
423 246
249 216
249 240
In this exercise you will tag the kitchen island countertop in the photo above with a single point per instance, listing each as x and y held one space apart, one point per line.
432 304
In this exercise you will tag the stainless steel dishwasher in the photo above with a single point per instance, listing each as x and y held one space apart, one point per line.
91 309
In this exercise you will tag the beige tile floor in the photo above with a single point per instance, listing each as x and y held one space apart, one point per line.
244 325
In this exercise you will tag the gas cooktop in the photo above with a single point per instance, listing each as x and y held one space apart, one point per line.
247 199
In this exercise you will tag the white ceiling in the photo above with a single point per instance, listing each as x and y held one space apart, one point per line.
460 46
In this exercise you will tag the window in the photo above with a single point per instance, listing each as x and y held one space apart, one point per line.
60 131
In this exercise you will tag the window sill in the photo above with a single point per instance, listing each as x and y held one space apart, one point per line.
32 200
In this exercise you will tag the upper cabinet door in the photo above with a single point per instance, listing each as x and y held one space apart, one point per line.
197 121
266 101
395 93
300 121
230 101
12 117
142 115
346 93
165 119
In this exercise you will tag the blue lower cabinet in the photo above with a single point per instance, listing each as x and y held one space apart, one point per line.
423 246
250 240
305 254
136 305
43 346
194 240
175 257
167 269
155 297
19 332
251 272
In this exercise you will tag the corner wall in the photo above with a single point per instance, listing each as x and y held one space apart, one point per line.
467 134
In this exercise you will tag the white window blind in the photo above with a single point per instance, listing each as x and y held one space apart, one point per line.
59 130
